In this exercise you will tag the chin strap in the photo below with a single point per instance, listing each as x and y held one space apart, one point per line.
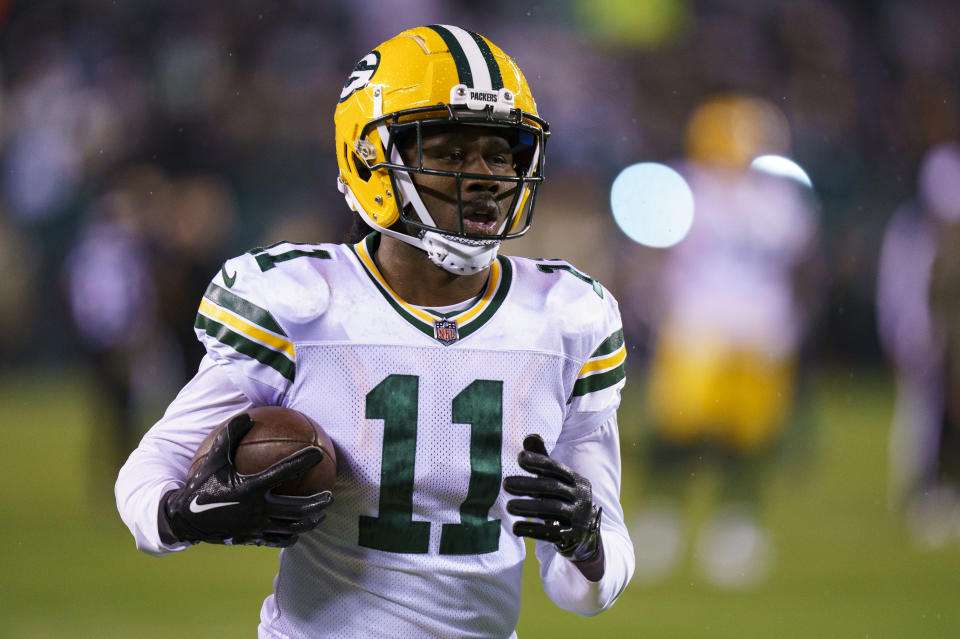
460 257
455 255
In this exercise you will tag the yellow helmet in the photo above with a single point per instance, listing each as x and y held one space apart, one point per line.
732 129
425 76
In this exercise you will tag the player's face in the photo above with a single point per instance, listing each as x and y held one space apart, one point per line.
468 149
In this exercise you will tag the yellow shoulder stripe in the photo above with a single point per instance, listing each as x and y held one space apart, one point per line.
234 322
614 359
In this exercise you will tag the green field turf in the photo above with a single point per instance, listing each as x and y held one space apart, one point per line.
68 567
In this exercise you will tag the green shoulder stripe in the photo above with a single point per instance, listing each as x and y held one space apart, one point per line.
599 381
247 310
609 345
275 360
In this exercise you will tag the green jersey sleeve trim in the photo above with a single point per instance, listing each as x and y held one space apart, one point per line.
248 310
266 356
599 381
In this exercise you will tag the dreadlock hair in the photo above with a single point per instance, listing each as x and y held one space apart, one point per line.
358 230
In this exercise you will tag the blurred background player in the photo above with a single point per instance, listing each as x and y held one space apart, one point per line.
918 318
731 311
111 298
145 251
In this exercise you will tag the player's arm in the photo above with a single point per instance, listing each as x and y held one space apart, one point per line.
158 467
160 462
592 584
573 497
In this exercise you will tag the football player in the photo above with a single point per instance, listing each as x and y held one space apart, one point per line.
471 396
918 319
738 297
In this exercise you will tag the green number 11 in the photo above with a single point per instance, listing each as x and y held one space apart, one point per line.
480 404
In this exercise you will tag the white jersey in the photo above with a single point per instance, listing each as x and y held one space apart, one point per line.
732 276
428 411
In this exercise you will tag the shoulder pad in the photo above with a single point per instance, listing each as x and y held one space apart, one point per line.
292 281
595 316
563 266
247 312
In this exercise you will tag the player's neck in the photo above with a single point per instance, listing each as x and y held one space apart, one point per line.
418 281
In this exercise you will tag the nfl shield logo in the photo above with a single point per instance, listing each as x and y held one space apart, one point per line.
445 331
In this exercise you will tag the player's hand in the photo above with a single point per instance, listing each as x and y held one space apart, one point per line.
560 497
219 505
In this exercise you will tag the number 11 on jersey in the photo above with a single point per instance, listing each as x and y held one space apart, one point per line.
480 404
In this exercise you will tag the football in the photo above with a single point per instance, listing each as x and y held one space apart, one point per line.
278 433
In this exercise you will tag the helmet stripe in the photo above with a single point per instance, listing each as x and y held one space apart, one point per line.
459 57
478 64
496 80
484 73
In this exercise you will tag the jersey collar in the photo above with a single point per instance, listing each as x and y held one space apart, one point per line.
444 327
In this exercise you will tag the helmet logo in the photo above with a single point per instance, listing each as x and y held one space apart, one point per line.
361 75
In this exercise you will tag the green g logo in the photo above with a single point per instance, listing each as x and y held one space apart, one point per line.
361 75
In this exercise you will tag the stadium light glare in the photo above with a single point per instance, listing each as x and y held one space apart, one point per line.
652 204
781 167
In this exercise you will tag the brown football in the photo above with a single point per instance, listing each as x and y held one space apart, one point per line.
278 433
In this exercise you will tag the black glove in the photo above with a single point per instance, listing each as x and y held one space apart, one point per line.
561 498
218 505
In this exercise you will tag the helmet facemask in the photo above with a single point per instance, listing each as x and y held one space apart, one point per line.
456 249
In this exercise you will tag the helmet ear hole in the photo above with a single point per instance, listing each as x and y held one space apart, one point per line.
362 171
